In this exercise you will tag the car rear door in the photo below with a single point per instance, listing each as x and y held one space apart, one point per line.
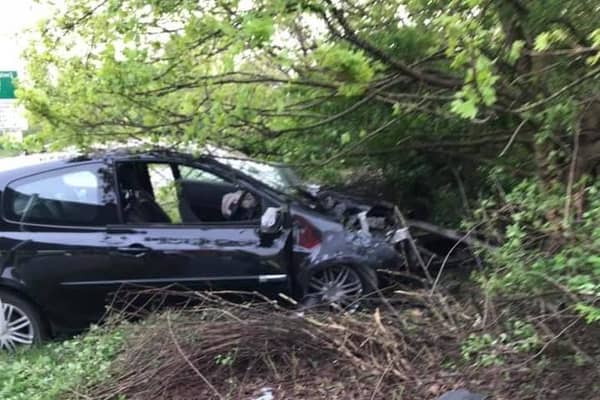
58 244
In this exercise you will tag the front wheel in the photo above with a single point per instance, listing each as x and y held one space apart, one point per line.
340 287
20 323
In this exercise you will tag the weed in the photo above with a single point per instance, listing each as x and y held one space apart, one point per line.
46 372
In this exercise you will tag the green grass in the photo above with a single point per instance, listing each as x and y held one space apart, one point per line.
54 370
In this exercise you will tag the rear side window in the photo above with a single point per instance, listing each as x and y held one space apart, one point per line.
76 196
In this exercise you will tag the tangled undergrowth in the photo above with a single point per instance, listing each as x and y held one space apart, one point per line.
231 350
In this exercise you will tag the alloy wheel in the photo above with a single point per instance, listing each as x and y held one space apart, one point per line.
340 287
16 328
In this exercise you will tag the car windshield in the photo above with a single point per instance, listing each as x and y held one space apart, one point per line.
279 177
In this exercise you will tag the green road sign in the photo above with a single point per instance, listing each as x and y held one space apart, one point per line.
7 89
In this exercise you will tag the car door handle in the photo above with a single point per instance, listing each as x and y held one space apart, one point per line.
117 230
134 250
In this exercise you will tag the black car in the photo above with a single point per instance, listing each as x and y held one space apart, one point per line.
76 229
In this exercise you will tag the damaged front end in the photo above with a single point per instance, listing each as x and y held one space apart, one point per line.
421 246
380 219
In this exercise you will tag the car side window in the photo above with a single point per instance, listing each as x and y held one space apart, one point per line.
169 193
207 197
74 196
198 174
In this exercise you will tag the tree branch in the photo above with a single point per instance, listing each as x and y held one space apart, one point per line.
350 36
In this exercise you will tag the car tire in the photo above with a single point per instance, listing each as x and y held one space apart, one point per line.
324 286
20 323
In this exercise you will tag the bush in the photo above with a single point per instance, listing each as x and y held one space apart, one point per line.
545 251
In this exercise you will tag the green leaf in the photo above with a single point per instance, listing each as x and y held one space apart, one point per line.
589 312
466 108
542 41
515 51
345 138
595 39
258 29
344 64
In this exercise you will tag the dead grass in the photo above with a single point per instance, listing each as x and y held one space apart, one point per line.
230 350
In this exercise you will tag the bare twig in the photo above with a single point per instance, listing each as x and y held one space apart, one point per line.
559 92
458 242
191 364
512 138
571 181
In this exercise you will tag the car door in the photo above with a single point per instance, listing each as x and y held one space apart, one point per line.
59 242
172 248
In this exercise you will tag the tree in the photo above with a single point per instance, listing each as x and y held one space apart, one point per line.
502 94
265 70
283 77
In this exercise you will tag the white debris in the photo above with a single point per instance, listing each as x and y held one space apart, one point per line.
266 393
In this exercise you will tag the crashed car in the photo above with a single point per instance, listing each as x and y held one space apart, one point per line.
77 229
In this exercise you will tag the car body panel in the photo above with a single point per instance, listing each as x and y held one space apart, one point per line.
46 262
72 272
341 246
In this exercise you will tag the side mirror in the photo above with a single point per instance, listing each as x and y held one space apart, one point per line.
270 221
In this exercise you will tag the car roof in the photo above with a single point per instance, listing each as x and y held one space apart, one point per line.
23 165
15 167
12 168
30 160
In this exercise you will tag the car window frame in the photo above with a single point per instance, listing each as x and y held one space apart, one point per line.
253 223
4 201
